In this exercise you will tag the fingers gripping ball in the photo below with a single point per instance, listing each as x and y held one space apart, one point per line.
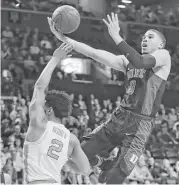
66 19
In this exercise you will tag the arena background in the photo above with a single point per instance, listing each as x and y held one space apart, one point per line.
26 47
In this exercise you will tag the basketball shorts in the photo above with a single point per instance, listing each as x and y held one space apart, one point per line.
127 130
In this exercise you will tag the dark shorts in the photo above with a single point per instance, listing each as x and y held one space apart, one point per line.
127 130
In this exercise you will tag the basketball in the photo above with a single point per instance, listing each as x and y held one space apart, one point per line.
66 19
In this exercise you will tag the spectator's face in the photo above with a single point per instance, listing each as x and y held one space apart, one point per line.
9 162
85 113
141 161
96 102
151 161
163 111
17 129
119 98
92 96
164 127
17 30
80 97
22 102
36 30
166 163
114 77
151 42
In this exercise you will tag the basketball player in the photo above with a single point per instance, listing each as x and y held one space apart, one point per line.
48 144
131 123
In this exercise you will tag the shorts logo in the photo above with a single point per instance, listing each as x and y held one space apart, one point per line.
133 159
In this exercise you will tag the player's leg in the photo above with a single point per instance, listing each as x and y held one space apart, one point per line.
96 144
133 147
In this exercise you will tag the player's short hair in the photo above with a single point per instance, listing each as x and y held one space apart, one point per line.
60 101
161 36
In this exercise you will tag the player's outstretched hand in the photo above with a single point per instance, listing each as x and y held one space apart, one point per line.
113 25
63 51
59 35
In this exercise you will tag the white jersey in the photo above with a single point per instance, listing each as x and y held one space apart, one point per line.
44 159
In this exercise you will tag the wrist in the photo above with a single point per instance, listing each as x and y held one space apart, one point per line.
117 39
56 59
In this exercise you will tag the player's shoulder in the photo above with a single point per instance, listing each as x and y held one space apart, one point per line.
162 53
74 141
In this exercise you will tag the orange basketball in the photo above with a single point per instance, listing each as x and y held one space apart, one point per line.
66 18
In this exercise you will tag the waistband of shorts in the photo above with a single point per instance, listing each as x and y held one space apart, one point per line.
48 181
145 117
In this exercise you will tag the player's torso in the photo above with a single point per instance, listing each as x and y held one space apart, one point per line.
144 91
44 159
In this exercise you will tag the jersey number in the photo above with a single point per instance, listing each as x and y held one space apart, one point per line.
54 151
131 87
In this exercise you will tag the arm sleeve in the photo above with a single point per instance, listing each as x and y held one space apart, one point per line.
139 61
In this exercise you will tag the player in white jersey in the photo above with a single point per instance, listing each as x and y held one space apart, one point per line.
48 144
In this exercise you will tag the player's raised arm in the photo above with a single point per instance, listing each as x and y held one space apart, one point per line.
104 57
78 160
36 110
139 61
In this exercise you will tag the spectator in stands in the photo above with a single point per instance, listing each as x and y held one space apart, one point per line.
176 131
172 118
18 159
81 103
7 32
164 135
9 169
34 49
141 172
45 43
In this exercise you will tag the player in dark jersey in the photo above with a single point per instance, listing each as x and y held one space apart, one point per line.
131 123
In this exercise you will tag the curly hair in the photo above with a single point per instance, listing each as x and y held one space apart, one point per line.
60 101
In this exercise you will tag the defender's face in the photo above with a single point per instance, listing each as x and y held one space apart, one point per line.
150 42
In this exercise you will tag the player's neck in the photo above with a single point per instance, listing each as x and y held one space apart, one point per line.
55 119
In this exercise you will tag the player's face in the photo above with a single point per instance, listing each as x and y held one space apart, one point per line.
150 42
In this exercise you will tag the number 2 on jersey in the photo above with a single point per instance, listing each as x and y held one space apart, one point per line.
54 150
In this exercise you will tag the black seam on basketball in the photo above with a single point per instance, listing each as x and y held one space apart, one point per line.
67 19
55 19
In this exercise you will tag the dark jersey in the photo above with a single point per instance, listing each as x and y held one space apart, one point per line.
144 91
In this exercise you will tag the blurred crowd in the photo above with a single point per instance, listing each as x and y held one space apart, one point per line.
24 53
148 14
143 14
159 164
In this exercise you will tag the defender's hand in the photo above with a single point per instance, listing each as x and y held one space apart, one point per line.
59 35
113 25
63 51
